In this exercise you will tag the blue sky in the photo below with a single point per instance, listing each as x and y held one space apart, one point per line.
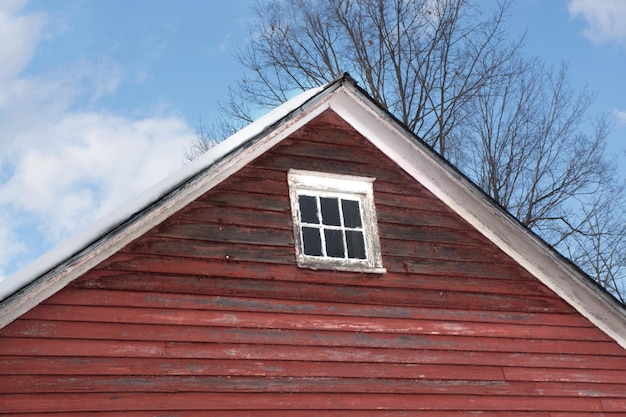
98 99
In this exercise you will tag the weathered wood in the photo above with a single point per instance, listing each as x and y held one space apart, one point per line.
198 213
102 297
237 319
317 413
236 198
257 186
520 365
199 250
425 234
227 233
261 401
24 365
329 133
332 152
171 384
329 413
419 217
275 285
193 333
286 162
207 314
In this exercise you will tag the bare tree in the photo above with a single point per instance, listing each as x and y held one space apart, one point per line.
598 244
423 60
208 137
530 146
446 69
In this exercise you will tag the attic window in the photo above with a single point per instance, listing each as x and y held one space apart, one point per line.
334 222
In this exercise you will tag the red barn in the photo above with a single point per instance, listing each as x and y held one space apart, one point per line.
321 262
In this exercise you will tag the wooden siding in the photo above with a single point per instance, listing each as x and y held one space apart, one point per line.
208 315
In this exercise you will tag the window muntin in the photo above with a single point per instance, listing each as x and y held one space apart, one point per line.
334 221
331 227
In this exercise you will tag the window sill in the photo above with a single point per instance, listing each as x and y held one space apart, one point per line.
340 266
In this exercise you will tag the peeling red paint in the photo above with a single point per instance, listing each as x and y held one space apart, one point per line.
207 314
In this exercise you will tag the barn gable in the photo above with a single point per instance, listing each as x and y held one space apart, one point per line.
203 300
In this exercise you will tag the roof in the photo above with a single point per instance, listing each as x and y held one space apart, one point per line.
53 271
117 218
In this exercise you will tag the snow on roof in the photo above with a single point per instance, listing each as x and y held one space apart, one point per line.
70 247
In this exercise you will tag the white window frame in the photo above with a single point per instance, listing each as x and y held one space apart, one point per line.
337 186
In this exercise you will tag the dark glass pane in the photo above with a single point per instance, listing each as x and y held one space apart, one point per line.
330 211
312 241
308 209
356 244
351 213
334 243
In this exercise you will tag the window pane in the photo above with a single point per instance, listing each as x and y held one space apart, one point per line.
334 243
308 209
351 213
356 244
330 211
312 241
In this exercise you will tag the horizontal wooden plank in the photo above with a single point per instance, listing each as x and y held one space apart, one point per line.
205 334
184 248
212 384
395 265
13 403
317 413
439 274
106 348
614 405
607 376
381 355
437 250
61 347
203 242
93 384
196 213
276 283
427 234
287 162
333 152
321 135
460 269
250 171
246 200
59 365
414 189
228 233
415 201
328 127
276 320
425 258
262 184
595 381
85 296
423 218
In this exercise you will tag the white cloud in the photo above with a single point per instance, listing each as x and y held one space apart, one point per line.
621 117
89 164
19 36
63 168
606 19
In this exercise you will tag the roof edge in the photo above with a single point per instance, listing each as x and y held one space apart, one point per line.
53 266
469 201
